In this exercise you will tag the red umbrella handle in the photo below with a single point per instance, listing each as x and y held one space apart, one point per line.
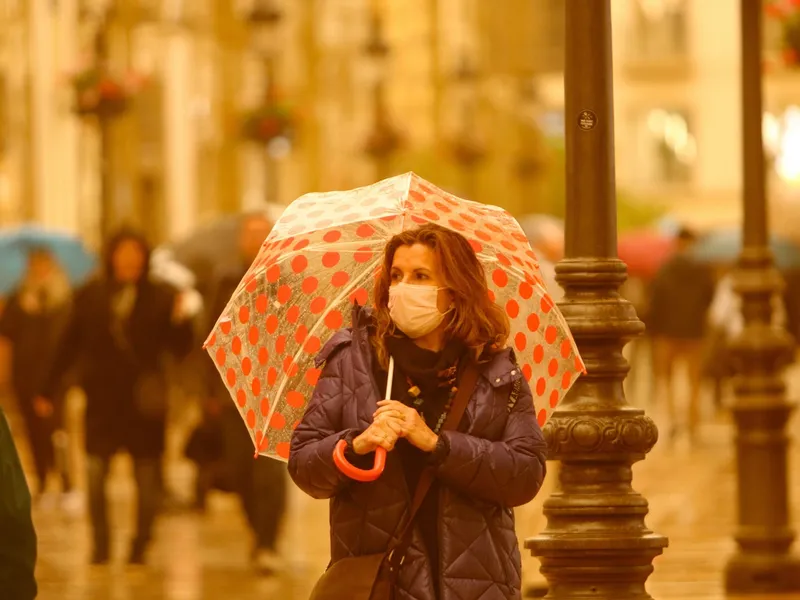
355 473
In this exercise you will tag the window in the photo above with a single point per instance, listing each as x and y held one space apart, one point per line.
666 147
660 29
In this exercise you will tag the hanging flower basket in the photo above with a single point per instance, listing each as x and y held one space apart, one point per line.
787 12
98 93
268 122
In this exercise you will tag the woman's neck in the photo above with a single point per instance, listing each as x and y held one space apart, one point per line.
433 341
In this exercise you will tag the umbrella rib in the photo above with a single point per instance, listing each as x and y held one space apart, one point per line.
342 295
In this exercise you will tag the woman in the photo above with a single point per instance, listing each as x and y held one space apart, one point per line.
433 315
122 329
31 324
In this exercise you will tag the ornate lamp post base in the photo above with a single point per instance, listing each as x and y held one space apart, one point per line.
758 574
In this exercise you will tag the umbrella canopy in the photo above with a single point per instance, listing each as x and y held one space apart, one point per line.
725 246
645 251
77 262
324 253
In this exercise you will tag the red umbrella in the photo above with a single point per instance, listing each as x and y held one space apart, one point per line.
644 252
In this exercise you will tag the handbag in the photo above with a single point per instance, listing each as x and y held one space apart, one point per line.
373 576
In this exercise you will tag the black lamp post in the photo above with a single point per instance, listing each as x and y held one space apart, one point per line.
596 544
762 562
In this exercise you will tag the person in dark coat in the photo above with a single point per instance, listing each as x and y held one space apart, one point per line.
122 329
32 323
433 314
17 535
260 484
680 297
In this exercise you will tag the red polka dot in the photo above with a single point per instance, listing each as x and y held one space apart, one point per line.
468 218
255 386
546 304
554 398
272 324
541 386
247 366
500 278
263 355
272 376
299 263
310 285
512 309
220 356
225 325
236 345
552 367
280 344
334 320
339 278
579 366
525 290
362 255
282 449
418 220
330 259
417 196
253 335
482 235
241 397
366 230
301 244
313 345
520 341
293 314
527 372
566 380
318 305
332 236
251 418
442 207
244 314
457 225
295 399
538 354
507 245
541 418
566 348
361 296
503 260
300 334
230 377
550 334
430 215
252 284
312 376
264 443
491 295
533 322
284 293
211 340
287 242
265 406
476 246
261 304
273 273
277 421
289 366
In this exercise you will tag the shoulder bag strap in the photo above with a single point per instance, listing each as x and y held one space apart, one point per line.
466 386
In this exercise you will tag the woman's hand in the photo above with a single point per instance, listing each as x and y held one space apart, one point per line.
376 435
406 422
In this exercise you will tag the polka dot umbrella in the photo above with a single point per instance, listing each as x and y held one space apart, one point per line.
324 254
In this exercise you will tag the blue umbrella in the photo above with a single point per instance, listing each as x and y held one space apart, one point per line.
725 246
15 245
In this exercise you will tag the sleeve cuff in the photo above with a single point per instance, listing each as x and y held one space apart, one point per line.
441 451
364 461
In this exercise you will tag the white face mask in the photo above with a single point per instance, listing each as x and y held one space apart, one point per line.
414 308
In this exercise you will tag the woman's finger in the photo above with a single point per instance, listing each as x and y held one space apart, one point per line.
394 425
391 404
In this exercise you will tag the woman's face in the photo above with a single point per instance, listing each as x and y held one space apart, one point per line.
417 265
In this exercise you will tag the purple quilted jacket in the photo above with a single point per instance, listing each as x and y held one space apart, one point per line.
496 463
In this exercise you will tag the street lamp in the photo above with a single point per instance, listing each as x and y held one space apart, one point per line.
383 140
762 562
467 147
596 543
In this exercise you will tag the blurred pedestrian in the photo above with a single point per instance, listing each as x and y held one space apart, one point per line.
17 535
122 329
31 324
260 484
680 297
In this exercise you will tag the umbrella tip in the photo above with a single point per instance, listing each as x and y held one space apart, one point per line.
255 454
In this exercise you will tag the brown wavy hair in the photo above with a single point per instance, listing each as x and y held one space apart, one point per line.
476 320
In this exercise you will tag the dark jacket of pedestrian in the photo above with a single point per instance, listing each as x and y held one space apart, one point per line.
680 296
17 535
117 354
